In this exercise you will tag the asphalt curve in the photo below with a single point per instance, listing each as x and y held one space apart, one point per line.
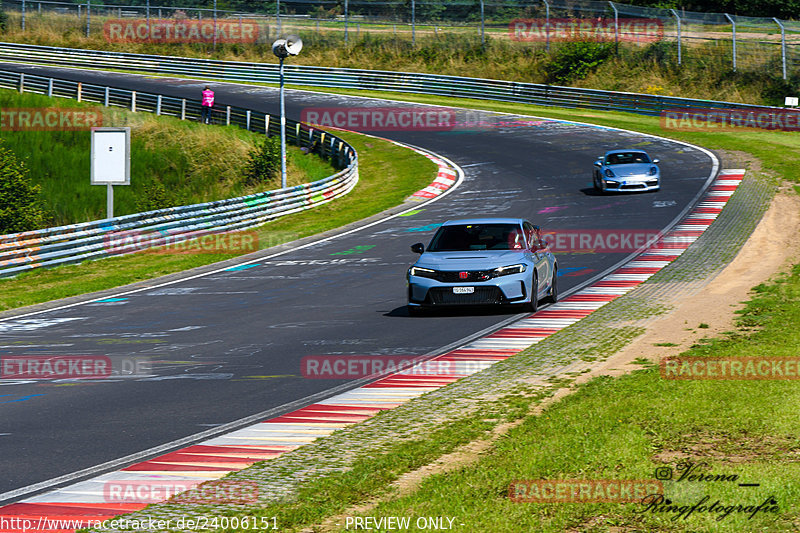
229 344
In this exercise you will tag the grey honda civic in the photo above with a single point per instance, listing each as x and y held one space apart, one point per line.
483 261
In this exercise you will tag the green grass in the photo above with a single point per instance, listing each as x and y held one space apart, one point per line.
189 162
388 174
624 428
368 476
613 428
609 429
706 70
584 436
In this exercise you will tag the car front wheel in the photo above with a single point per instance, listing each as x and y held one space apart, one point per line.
533 305
553 296
597 185
414 310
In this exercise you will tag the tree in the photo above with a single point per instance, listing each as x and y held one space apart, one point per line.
265 161
20 205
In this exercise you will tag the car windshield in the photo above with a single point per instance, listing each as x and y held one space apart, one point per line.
626 158
462 238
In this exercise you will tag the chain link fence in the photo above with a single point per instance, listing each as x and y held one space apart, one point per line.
679 36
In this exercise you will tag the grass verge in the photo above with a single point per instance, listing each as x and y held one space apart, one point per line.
627 427
742 429
173 162
706 72
388 174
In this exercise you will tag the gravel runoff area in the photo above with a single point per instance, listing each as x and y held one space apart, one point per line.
541 368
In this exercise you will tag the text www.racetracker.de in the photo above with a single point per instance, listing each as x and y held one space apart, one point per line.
43 523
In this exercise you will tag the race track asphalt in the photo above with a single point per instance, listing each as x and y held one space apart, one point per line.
229 344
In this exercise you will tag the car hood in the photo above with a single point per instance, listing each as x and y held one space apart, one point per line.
473 260
632 169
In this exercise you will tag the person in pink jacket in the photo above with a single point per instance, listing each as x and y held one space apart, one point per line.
207 104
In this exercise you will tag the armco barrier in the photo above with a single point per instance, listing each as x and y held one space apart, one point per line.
78 242
479 88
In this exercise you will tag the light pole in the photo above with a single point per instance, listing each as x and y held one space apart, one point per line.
284 48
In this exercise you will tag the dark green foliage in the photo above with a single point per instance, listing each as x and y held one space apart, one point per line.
573 61
776 89
787 9
265 161
3 19
662 52
20 207
153 197
322 12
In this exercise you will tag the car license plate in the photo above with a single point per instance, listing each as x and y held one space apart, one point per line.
463 290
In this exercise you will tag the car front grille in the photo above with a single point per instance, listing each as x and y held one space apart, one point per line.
481 296
453 277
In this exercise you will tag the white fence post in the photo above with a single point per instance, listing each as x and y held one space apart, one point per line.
547 25
616 22
783 45
678 19
733 30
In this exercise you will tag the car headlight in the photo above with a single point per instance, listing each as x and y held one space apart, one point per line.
653 171
421 272
508 270
609 174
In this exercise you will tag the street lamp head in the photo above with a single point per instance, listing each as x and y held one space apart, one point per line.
290 46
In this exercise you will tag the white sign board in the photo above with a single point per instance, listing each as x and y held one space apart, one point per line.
791 101
111 156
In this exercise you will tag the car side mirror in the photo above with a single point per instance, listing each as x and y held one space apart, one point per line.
598 164
656 161
418 248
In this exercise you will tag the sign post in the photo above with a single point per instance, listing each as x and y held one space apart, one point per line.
111 160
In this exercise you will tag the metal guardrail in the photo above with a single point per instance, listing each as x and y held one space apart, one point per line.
409 82
74 243
761 40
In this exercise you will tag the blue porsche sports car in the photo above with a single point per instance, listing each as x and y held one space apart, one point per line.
626 170
483 261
